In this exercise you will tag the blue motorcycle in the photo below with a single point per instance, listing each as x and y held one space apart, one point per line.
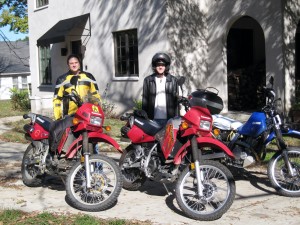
248 143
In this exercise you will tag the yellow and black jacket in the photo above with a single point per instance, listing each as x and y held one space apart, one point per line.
86 85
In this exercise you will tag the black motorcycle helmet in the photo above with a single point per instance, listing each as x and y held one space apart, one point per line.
163 58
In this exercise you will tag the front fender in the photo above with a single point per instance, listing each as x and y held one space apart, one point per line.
285 133
95 137
101 137
203 142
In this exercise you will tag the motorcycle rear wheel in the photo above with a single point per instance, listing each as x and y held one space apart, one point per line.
133 178
31 176
106 184
278 175
218 192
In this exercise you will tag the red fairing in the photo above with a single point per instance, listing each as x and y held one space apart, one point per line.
194 116
136 135
204 141
63 140
39 133
84 114
169 139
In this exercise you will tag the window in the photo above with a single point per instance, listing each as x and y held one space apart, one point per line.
24 82
45 65
15 82
41 3
126 53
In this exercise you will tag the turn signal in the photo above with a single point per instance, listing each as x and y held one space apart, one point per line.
192 166
184 125
107 128
216 132
75 121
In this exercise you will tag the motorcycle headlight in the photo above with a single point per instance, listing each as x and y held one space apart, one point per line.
96 120
205 125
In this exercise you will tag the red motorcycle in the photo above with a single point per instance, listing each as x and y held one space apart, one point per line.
93 182
205 189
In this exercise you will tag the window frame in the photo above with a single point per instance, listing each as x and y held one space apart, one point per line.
132 64
24 81
41 3
44 61
15 82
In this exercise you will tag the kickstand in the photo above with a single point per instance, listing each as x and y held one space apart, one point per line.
168 192
63 180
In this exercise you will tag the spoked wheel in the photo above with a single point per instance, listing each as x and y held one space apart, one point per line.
284 183
218 191
106 184
133 178
30 171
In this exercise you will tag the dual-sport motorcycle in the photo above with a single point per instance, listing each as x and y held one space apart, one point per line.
93 182
248 142
205 189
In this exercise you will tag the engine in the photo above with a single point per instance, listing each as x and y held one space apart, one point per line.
152 164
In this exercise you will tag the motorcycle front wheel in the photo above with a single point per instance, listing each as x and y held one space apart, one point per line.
218 191
106 184
278 174
31 175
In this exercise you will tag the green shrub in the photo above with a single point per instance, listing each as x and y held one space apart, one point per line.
107 106
20 99
137 104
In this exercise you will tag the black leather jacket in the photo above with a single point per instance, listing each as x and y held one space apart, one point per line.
149 95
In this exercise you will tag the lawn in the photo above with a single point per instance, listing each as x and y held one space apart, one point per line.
15 217
6 109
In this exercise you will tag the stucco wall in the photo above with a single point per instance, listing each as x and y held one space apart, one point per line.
194 32
106 17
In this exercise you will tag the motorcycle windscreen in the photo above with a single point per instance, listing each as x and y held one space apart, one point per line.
255 125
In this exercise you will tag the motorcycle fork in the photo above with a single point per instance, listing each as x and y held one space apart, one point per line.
288 163
199 174
282 146
86 158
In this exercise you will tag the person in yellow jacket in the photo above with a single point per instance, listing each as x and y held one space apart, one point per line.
62 106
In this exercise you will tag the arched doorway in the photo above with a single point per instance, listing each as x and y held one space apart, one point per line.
246 67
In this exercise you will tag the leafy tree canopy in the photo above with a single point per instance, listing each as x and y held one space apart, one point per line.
14 13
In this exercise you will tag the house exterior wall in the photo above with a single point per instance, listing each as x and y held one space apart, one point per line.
6 84
194 32
106 17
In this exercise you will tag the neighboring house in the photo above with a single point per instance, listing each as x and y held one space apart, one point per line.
234 46
14 67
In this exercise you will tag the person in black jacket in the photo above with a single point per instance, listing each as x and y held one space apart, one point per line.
160 91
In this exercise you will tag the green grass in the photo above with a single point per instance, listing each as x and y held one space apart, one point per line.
6 109
12 217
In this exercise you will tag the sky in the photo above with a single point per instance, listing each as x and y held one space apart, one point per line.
11 35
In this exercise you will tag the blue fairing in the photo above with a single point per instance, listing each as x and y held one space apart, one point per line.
255 125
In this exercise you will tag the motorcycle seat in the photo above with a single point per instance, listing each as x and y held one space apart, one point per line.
150 127
44 121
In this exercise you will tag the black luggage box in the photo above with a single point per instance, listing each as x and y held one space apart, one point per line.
207 99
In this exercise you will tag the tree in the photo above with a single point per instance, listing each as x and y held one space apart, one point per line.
14 13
